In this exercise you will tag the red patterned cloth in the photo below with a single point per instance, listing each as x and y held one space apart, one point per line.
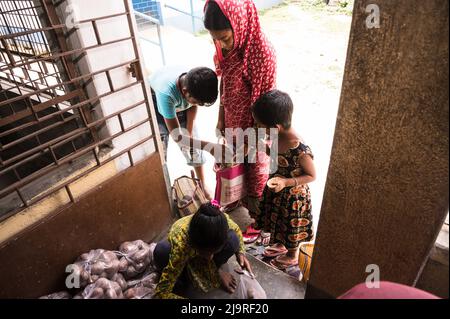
247 72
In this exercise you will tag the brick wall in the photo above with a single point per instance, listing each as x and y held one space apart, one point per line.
150 7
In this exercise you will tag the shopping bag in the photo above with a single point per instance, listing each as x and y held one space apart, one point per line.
187 192
230 184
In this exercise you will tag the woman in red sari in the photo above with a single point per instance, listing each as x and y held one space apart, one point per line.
246 62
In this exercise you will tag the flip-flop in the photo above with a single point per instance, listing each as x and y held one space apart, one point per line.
251 231
250 239
274 252
276 247
280 265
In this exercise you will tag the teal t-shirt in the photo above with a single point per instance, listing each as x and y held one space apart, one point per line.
168 97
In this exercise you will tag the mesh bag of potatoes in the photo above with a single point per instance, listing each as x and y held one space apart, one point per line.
134 257
101 289
144 287
105 274
98 263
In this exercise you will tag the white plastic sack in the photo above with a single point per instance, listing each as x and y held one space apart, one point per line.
249 288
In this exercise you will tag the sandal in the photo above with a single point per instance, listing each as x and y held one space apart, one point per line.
249 239
251 231
274 251
281 265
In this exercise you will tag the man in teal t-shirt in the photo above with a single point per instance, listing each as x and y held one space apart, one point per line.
177 92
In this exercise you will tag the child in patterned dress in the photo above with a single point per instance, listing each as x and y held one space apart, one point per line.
285 210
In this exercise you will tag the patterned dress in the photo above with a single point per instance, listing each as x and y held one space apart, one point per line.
203 273
287 215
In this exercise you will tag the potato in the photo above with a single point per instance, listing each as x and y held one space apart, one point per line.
84 276
139 293
127 247
97 268
140 266
118 290
140 256
84 256
108 256
102 289
97 293
120 281
112 268
123 264
110 294
58 295
151 280
129 294
103 283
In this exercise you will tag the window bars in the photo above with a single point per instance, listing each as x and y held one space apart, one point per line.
47 120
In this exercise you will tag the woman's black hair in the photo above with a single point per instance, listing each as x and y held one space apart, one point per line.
274 108
214 19
202 84
208 229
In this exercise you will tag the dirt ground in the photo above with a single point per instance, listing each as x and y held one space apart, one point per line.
311 44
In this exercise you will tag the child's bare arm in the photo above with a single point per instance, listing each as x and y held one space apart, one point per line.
309 172
219 151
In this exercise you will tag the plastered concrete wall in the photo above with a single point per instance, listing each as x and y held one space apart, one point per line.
386 195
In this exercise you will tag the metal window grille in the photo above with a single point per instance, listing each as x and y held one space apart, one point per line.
47 120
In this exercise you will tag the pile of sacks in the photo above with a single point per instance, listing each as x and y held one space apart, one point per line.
127 273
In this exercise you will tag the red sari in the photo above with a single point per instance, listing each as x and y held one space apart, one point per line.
247 72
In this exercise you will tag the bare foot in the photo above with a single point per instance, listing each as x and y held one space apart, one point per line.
228 282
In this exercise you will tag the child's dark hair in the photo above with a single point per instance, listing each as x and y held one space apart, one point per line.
214 19
208 229
274 108
202 84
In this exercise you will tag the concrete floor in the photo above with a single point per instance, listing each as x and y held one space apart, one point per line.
275 283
